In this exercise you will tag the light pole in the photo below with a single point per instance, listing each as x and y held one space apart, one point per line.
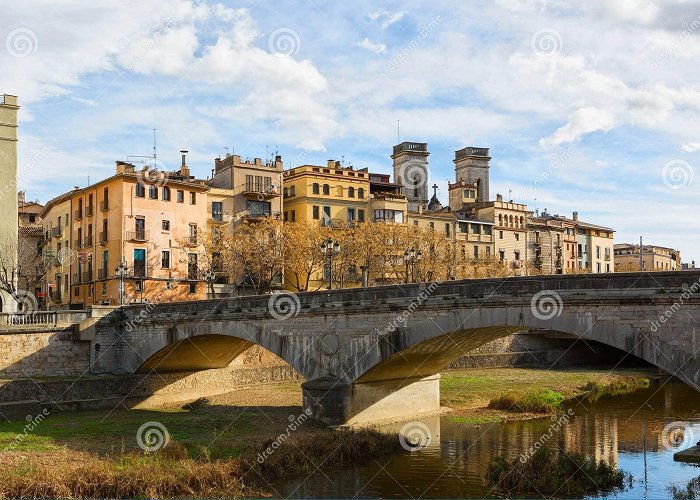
121 272
410 258
330 248
210 277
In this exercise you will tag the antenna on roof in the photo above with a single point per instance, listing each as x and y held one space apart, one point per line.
398 132
155 156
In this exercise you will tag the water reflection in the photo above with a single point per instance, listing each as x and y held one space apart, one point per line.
626 431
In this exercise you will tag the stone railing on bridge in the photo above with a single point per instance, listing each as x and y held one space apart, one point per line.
43 318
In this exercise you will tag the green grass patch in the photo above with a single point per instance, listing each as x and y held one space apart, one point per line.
542 401
620 387
548 473
474 420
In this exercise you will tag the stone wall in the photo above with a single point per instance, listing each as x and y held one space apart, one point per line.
41 352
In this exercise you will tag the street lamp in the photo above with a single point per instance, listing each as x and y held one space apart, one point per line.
121 272
210 277
410 258
330 248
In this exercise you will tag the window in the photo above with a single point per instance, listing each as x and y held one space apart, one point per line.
500 235
360 215
502 255
360 192
476 251
166 193
248 182
488 251
165 225
193 288
193 234
139 262
294 215
327 215
326 189
105 264
258 208
193 198
285 192
32 218
140 228
192 267
517 237
140 190
217 210
286 218
517 255
293 191
597 252
180 196
104 288
153 192
165 259
447 228
432 225
351 192
314 211
351 215
258 183
314 188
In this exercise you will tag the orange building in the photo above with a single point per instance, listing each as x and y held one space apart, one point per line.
145 220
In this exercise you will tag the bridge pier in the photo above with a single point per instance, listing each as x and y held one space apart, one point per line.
336 402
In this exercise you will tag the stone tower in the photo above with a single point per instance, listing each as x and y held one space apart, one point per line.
8 184
411 171
472 165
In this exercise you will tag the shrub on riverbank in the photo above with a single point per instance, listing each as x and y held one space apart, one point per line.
623 385
544 401
172 473
691 491
559 474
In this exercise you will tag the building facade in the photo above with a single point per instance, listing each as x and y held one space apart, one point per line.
654 258
8 186
145 222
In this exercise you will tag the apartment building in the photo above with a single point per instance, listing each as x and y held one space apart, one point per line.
654 258
141 223
595 247
546 242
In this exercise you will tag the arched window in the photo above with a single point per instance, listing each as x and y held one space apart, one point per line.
166 193
500 219
522 221
351 192
293 191
315 188
326 189
285 192
360 192
140 190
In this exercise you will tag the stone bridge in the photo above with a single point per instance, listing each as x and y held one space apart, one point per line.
376 353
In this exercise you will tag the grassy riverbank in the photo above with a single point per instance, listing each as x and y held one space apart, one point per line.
215 448
499 394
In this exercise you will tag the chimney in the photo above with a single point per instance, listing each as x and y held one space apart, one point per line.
21 196
575 217
184 169
330 164
499 197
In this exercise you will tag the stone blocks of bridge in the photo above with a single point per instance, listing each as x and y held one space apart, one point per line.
336 402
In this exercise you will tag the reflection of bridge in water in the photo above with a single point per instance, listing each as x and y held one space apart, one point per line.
377 353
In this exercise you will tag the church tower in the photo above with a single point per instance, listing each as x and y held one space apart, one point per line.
472 166
411 171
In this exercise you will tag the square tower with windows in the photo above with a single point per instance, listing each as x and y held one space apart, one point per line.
472 166
411 171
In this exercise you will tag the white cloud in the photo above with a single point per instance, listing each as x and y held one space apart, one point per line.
389 18
582 122
376 48
691 147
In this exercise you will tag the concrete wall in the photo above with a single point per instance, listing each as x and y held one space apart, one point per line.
48 353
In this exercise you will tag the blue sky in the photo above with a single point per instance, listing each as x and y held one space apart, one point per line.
590 107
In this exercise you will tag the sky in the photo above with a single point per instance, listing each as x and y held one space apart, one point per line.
585 106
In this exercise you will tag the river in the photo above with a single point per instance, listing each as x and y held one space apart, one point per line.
626 430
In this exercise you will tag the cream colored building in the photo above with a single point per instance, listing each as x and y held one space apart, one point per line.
595 247
8 185
654 258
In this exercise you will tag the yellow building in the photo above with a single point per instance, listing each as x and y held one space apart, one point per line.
147 220
654 258
8 186
333 195
595 247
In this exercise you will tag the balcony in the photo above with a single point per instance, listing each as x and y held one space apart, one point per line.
138 235
78 243
103 237
192 272
87 276
79 214
104 205
87 241
57 232
76 279
259 192
102 274
190 241
88 211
